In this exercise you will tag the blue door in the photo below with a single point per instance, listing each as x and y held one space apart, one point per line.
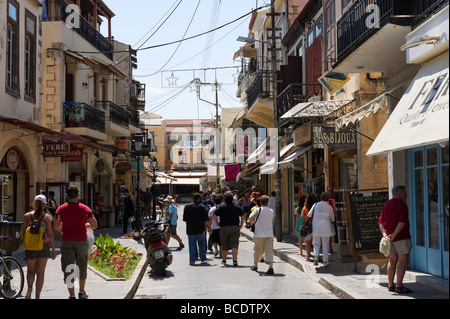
429 203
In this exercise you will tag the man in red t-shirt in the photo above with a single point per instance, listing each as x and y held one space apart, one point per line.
394 224
71 218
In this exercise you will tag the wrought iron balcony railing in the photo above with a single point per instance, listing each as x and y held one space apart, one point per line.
118 115
259 88
83 115
355 26
57 11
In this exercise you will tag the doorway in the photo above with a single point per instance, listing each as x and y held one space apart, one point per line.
429 202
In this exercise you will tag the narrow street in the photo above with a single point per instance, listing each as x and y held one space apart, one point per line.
214 281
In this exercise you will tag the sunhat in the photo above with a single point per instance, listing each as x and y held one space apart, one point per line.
168 199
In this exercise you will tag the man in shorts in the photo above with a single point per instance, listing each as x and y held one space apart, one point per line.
394 224
172 217
231 222
71 218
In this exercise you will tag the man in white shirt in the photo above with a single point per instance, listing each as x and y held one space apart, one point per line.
262 218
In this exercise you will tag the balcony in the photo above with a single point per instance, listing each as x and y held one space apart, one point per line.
56 11
359 39
425 9
137 96
259 100
134 120
84 120
294 94
118 118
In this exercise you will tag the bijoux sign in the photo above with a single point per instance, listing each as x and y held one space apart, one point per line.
326 136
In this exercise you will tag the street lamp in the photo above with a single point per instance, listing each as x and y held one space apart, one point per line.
154 166
138 140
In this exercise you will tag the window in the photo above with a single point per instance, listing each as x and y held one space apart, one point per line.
30 57
12 49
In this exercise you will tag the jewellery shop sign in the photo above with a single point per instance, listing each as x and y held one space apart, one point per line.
326 136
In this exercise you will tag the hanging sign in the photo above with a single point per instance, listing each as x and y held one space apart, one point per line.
56 149
326 136
231 172
333 81
75 155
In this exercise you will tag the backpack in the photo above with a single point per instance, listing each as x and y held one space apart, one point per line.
33 238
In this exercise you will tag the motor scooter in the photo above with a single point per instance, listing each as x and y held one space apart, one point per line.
158 254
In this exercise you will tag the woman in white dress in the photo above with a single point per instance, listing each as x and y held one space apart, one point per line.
322 218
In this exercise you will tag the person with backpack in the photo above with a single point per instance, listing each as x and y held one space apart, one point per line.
36 258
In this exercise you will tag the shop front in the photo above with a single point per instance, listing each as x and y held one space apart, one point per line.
14 185
416 138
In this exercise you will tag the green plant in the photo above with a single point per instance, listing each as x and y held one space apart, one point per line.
112 258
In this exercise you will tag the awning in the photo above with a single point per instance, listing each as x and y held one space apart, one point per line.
370 108
422 116
76 139
28 125
83 59
261 113
315 109
271 167
247 52
250 170
259 153
295 155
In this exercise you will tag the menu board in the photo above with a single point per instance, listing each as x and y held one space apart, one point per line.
365 209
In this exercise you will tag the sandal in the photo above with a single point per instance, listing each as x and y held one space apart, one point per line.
254 268
403 290
391 288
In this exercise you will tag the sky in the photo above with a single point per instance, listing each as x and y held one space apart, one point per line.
138 20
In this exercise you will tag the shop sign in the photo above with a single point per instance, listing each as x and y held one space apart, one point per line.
303 134
56 149
122 143
123 167
12 160
326 136
75 155
231 172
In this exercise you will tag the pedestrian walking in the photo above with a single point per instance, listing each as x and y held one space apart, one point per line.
299 222
394 225
128 209
51 203
263 218
37 260
172 218
215 229
148 199
232 218
322 218
71 218
197 223
309 203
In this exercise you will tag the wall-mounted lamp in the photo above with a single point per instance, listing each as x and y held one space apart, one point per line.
310 23
85 85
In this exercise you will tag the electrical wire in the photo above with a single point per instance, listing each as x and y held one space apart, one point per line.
178 41
179 44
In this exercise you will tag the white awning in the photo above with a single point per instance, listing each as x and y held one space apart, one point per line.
372 107
422 116
315 109
270 167
295 155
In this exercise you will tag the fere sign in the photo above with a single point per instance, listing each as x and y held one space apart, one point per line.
56 149
326 136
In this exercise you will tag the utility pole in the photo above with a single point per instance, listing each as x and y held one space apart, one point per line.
216 139
279 220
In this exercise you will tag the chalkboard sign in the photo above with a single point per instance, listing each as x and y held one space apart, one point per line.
365 209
